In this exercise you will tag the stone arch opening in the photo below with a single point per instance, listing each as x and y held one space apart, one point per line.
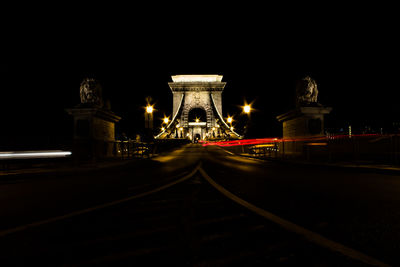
197 113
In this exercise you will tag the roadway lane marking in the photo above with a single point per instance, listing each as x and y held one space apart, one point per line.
309 235
239 156
231 153
98 207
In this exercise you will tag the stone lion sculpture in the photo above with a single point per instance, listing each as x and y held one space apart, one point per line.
91 92
306 91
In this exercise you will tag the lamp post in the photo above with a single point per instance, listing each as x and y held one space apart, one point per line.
166 120
229 120
149 117
247 110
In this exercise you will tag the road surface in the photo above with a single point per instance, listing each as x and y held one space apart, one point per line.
201 206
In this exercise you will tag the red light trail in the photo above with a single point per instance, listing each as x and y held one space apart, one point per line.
258 141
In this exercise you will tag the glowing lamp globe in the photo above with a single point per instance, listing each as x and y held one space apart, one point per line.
149 109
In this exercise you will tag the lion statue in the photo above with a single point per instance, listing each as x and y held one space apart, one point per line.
91 92
306 91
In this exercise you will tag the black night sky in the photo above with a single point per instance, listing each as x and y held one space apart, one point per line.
261 52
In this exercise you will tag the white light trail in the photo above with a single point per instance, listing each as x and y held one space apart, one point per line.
34 154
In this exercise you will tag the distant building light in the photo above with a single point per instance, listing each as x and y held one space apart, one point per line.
196 78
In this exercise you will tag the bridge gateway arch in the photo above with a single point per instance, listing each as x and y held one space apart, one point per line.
197 109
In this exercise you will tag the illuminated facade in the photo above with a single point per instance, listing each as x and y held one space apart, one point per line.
197 108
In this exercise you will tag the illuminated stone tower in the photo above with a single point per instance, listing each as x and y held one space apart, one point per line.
197 108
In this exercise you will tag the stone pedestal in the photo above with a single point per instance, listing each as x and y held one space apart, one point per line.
94 132
303 122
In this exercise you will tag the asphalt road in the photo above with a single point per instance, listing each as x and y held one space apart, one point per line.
113 216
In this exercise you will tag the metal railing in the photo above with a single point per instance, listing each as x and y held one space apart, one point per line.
369 148
132 149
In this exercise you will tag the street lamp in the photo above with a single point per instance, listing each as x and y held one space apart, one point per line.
166 120
149 109
247 109
229 119
149 117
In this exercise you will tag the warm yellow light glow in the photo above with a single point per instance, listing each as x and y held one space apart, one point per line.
197 120
166 120
230 119
265 145
162 129
177 126
149 109
247 108
316 144
213 129
196 78
181 129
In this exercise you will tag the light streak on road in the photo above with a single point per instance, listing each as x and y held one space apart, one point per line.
34 154
257 141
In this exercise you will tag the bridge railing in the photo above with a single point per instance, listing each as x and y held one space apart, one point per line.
104 151
132 149
367 148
